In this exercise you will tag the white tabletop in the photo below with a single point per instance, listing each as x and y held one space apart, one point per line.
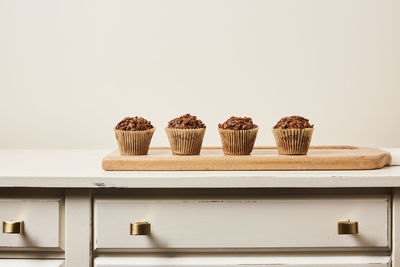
82 169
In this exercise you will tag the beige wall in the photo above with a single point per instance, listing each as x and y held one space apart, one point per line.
70 70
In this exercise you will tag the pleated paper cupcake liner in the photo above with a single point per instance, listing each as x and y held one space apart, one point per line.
238 142
185 141
293 141
134 142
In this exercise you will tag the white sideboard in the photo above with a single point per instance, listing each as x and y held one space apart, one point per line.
77 215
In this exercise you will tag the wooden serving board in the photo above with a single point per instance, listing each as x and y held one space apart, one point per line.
262 158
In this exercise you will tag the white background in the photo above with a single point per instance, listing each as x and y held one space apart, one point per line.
70 70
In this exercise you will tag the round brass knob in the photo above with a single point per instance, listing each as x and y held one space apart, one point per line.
347 228
140 228
14 227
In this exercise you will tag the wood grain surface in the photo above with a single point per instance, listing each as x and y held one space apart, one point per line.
262 158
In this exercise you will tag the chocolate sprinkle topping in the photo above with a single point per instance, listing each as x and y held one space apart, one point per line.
134 124
238 123
186 121
293 122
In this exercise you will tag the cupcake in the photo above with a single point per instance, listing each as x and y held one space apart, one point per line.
185 135
238 135
293 135
134 135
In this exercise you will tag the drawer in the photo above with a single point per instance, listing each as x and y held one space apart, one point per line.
348 261
286 223
41 223
31 263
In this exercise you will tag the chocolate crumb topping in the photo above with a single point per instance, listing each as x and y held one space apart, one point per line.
186 121
238 123
134 124
293 122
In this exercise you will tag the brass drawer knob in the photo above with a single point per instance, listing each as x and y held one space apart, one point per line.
348 228
140 228
15 227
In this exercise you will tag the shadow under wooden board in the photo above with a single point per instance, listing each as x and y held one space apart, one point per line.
262 158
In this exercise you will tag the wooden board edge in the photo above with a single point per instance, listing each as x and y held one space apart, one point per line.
267 147
374 162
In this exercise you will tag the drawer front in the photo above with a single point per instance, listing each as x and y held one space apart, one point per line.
242 223
348 261
31 263
41 223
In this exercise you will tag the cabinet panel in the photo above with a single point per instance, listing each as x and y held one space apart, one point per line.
243 223
40 223
348 261
31 263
